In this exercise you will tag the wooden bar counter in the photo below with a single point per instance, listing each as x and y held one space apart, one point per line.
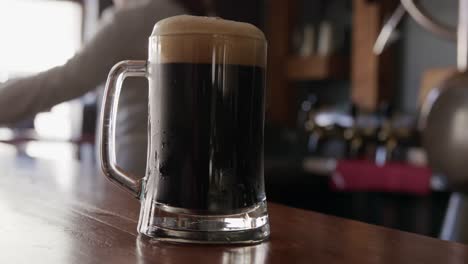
67 212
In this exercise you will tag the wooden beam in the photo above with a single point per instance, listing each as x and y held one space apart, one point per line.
280 98
372 76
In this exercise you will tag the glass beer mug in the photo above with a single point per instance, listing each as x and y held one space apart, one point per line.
204 179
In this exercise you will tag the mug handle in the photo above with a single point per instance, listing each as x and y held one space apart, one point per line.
122 70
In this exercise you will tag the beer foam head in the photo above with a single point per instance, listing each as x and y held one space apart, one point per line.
196 39
185 24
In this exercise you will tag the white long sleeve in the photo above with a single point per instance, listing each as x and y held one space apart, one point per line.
122 37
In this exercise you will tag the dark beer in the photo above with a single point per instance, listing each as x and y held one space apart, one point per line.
208 146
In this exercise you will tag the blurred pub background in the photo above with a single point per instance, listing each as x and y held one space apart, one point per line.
342 132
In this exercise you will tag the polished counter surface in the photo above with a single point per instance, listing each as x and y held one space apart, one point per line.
65 211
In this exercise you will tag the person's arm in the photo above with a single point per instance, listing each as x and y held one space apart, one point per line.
22 98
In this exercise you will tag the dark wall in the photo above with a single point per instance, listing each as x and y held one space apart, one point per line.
103 4
241 10
421 50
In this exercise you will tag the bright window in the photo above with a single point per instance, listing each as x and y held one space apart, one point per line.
36 35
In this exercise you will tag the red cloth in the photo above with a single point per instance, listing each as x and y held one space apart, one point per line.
362 175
